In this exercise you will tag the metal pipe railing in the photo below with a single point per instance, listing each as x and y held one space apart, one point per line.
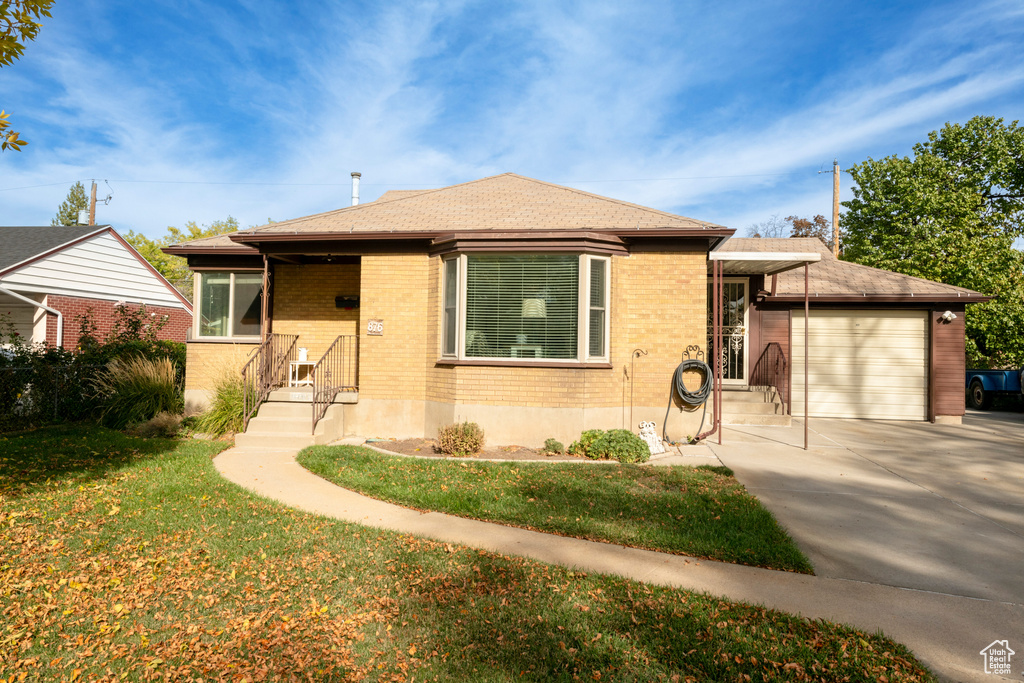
336 371
265 371
770 370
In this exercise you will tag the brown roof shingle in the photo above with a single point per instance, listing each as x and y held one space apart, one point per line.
506 202
831 277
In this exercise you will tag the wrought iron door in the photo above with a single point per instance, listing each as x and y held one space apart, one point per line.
734 329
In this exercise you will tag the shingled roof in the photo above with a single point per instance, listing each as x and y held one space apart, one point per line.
22 243
506 202
831 278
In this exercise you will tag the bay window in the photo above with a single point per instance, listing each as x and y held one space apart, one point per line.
525 306
229 304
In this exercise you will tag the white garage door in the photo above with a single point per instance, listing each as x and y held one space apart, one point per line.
864 363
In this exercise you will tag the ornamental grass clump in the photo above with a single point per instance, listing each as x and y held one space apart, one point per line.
227 409
460 439
133 390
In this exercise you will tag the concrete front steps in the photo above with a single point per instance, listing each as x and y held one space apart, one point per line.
285 420
753 406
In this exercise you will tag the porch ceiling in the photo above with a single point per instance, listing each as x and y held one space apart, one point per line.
761 263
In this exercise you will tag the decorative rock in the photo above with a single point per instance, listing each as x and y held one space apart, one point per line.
650 435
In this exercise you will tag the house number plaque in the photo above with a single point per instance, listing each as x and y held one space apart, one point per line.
375 328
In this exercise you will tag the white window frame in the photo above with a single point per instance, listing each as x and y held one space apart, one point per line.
197 318
583 314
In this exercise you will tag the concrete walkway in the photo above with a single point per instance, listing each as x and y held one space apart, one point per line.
945 631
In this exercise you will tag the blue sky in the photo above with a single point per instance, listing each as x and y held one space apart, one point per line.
719 111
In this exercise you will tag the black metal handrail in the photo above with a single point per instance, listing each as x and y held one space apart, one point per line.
265 371
770 371
336 371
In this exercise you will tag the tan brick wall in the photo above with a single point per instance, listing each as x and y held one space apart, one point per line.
658 303
207 362
304 303
395 289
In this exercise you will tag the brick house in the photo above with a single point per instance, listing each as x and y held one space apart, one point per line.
533 309
49 275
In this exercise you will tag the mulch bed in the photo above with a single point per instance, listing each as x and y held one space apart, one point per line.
426 448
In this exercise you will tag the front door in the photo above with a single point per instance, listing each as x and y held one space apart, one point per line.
734 329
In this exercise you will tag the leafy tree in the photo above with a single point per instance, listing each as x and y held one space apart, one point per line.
794 226
952 213
18 25
175 268
67 214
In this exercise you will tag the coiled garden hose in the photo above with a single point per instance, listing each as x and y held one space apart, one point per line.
693 398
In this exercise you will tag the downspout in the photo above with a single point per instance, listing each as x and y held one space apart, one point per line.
60 316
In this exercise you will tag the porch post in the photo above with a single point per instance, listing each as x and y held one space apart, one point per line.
719 293
264 300
807 315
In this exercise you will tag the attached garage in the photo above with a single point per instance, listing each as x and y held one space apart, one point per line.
865 363
883 345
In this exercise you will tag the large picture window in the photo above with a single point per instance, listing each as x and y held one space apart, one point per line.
229 304
525 306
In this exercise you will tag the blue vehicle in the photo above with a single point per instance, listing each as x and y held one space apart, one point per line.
984 385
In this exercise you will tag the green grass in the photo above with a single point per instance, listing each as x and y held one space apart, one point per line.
124 556
702 512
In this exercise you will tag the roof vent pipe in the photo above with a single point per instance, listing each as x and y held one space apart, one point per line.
356 175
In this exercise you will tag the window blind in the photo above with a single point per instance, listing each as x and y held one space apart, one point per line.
522 306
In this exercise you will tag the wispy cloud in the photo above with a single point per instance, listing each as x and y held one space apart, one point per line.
442 92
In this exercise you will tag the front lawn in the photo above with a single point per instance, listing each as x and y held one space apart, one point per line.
128 557
701 512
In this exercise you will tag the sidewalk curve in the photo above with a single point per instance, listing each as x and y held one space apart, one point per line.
945 631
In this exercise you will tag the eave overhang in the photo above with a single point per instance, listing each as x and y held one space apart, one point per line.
868 298
762 263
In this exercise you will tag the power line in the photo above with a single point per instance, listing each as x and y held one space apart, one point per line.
426 185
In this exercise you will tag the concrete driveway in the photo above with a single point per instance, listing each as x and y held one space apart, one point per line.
913 505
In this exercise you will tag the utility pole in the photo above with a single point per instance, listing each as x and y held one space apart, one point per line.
835 208
92 205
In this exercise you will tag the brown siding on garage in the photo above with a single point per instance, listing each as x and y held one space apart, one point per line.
948 363
775 328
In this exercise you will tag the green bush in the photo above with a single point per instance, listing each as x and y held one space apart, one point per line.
586 441
622 445
134 390
460 439
554 447
615 444
227 410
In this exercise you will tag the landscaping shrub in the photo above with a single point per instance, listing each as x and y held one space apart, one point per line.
162 424
583 446
622 445
227 410
616 444
134 390
460 439
554 447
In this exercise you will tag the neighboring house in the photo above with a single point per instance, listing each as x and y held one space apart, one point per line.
533 309
50 275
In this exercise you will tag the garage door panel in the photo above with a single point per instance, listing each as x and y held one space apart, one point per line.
863 364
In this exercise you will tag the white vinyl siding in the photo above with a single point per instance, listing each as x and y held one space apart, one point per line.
869 364
98 268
